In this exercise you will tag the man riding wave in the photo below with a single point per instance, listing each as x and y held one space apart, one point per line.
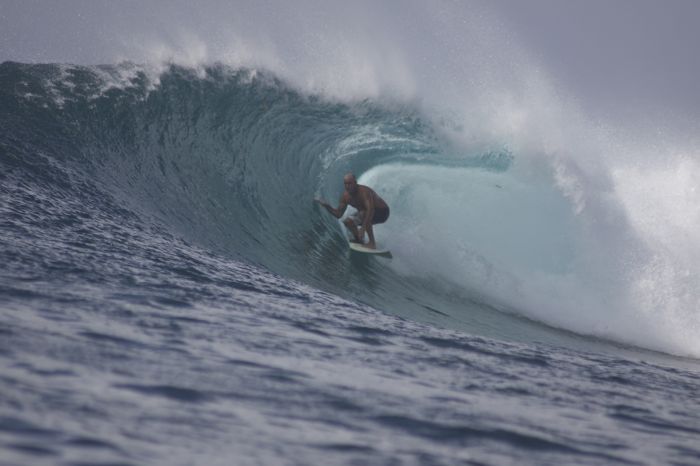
371 210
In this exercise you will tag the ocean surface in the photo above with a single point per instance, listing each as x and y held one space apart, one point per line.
170 294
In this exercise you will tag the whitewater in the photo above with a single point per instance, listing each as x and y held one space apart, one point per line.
170 294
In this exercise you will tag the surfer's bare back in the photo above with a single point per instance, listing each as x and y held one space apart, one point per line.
371 209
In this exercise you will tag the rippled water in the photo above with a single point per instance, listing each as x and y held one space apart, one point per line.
169 355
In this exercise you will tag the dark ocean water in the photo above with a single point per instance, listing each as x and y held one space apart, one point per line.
169 294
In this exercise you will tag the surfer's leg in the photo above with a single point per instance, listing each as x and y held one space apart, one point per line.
380 216
370 234
350 225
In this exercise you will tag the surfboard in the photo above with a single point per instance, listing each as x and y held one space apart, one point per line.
357 247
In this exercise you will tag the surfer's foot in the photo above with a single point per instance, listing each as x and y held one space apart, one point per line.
355 240
371 246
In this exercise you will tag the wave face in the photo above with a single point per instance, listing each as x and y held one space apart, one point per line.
497 237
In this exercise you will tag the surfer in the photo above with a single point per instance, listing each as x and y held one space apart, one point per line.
371 210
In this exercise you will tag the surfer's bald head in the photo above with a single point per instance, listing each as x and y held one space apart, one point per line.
350 183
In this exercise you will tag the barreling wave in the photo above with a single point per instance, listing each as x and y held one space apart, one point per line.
230 159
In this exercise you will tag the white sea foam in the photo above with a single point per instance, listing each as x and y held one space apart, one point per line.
613 253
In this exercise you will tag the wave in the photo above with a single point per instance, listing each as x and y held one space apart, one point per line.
489 234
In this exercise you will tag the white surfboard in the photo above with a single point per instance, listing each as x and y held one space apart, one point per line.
362 248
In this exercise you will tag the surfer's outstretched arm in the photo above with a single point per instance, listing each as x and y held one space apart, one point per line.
336 212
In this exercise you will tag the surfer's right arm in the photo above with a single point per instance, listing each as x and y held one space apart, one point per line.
336 212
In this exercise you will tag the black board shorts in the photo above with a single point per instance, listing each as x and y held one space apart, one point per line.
380 216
